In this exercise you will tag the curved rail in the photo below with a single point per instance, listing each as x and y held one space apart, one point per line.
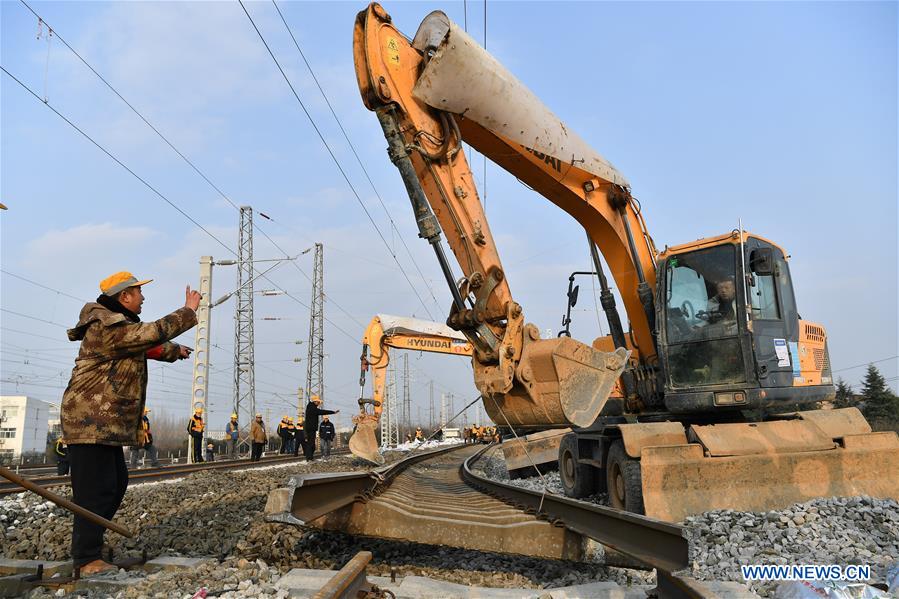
659 545
310 496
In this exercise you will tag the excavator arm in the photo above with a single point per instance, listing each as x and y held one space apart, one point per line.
418 91
385 332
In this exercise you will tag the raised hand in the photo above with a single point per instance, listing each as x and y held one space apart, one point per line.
192 299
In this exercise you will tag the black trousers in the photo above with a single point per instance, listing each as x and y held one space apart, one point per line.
309 445
99 481
196 439
257 451
299 441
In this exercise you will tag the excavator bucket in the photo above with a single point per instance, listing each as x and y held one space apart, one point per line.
769 465
364 442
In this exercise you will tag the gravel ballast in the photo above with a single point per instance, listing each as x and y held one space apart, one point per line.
219 513
832 530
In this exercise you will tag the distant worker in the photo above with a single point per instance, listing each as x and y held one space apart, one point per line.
327 434
62 457
195 428
145 443
291 434
283 435
232 433
210 452
310 426
419 435
103 402
408 437
299 438
258 438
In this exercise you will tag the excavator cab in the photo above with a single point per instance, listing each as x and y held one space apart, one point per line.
730 334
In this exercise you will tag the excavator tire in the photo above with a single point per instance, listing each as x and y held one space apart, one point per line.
623 480
578 480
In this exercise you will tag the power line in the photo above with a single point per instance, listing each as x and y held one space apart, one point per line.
31 334
119 162
865 364
334 157
180 154
33 318
6 272
353 149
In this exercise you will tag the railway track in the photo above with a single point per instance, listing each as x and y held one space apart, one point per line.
144 475
436 497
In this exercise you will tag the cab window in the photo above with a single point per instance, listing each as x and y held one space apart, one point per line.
763 297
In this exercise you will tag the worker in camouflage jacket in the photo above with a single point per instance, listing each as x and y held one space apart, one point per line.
103 404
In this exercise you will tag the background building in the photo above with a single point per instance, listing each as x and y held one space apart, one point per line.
23 425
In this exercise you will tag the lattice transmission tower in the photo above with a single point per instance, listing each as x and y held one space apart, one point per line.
315 360
244 359
407 398
390 434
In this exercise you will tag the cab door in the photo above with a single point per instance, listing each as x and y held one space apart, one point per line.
769 294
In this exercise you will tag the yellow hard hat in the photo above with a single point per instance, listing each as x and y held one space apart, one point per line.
315 398
258 415
198 411
234 416
285 417
146 410
119 282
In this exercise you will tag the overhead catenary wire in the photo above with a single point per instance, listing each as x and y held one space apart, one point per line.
181 155
153 189
333 157
355 153
117 161
27 280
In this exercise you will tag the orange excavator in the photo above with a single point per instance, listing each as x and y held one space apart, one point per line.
680 413
399 332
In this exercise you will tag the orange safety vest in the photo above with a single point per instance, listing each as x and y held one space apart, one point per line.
196 424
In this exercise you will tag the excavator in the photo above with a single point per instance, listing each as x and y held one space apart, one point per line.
381 334
681 413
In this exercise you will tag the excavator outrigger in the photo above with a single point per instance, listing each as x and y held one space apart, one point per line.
400 332
675 415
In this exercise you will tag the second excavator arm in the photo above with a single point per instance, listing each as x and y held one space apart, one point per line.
399 332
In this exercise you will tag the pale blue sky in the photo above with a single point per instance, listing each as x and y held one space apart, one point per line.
782 114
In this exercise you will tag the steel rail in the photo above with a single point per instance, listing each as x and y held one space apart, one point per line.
309 496
166 472
660 545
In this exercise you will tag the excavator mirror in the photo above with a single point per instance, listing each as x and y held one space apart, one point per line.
761 261
572 295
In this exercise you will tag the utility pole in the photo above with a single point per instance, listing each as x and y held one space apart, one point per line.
244 359
200 380
407 398
443 414
431 407
316 352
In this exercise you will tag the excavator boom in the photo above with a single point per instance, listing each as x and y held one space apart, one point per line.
527 382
